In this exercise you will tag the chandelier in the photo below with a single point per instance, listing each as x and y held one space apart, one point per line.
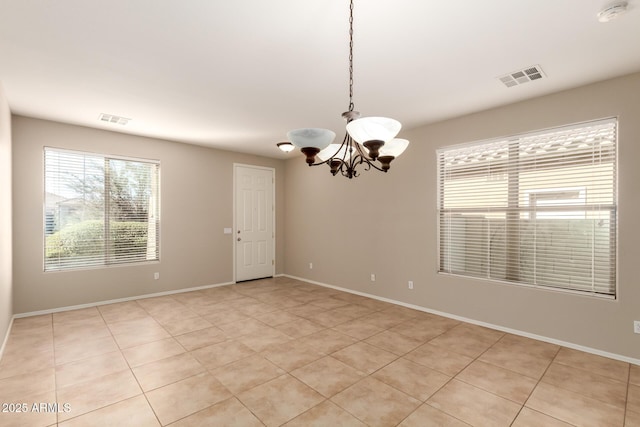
368 141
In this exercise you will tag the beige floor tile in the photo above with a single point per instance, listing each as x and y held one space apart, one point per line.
26 415
473 405
425 329
278 317
166 371
84 349
207 308
530 418
244 327
394 342
201 338
130 333
428 416
364 357
306 310
610 368
97 393
16 388
358 329
220 354
353 310
257 309
574 408
438 358
183 326
329 303
328 376
150 352
328 340
586 383
632 419
259 341
25 324
29 341
71 333
382 319
40 327
221 317
376 403
502 382
415 380
246 373
129 310
80 315
227 413
20 362
157 304
90 368
541 349
524 358
169 402
323 415
292 354
328 318
401 312
299 328
469 340
174 314
280 400
130 412
633 398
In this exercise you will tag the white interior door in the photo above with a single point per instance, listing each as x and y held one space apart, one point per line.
254 219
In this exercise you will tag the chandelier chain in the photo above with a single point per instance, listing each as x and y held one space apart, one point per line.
351 56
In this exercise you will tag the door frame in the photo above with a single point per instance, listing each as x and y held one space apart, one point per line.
273 217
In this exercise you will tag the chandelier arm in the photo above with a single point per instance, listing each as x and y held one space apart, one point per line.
366 159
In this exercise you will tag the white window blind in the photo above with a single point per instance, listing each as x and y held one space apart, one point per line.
99 210
536 209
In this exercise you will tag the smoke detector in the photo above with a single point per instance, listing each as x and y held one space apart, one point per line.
612 11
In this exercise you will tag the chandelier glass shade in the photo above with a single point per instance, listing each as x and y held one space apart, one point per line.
368 141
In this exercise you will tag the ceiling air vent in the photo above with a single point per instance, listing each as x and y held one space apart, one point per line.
110 118
522 76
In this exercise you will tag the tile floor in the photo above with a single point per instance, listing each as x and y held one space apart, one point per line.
282 352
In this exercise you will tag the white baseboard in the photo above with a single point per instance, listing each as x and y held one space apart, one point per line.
479 323
113 301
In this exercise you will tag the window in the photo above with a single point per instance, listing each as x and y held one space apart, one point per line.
99 210
536 209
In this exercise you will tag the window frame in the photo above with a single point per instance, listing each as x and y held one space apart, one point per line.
106 263
614 208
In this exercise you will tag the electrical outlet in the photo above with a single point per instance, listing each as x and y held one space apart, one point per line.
410 284
373 277
156 276
636 326
310 266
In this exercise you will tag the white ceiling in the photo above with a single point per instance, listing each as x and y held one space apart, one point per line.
238 75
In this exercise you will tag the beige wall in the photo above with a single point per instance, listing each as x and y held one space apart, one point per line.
6 310
197 203
387 225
